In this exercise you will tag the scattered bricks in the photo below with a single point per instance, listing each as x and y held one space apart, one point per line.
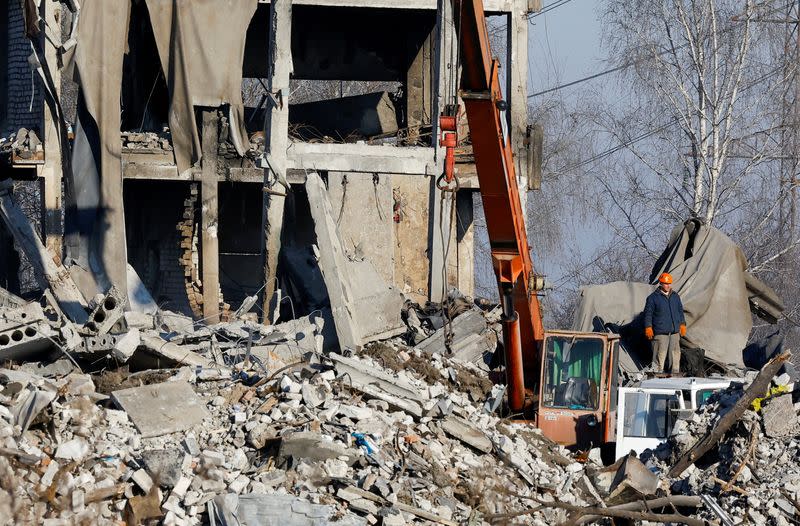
182 486
143 480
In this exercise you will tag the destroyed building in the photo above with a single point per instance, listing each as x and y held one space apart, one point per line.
139 383
178 189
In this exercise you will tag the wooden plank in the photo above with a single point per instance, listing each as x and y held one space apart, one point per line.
209 218
48 272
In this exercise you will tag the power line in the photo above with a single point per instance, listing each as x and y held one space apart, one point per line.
617 68
548 8
643 136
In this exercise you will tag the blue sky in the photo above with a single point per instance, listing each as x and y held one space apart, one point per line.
564 44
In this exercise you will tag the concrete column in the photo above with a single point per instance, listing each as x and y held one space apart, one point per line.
444 65
209 226
51 172
447 80
276 131
517 95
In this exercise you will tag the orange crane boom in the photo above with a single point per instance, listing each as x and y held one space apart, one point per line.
494 160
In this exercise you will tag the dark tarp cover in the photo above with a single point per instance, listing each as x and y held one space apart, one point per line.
201 45
709 272
94 217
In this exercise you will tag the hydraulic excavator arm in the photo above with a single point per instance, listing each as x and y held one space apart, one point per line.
494 160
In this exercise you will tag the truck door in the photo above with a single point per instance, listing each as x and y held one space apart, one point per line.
644 418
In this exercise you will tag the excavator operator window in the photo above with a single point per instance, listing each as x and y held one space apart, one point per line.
573 372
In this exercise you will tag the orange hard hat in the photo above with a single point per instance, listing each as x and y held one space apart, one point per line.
666 277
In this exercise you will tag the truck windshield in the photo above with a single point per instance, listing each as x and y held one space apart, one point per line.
648 415
572 372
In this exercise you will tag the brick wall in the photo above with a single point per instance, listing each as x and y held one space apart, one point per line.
24 106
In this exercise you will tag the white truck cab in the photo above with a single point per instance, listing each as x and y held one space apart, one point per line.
646 413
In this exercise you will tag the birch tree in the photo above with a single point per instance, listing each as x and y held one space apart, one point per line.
699 90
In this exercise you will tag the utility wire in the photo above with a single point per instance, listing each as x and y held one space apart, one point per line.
548 8
621 66
645 135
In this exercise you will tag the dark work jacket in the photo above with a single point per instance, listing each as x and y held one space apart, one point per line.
664 313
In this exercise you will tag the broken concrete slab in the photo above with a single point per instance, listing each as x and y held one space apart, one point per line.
314 446
48 272
464 431
24 332
333 264
28 406
126 345
9 300
381 385
275 510
378 306
161 409
632 482
175 353
471 337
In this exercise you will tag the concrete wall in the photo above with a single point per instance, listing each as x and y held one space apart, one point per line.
23 84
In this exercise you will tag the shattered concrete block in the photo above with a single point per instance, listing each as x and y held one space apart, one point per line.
467 433
632 482
75 449
108 312
381 385
314 446
24 333
779 417
161 409
164 465
139 320
143 480
126 345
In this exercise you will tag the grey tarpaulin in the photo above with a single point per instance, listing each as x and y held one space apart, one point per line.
201 45
709 272
95 225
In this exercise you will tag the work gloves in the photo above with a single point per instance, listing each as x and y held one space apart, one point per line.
648 332
683 329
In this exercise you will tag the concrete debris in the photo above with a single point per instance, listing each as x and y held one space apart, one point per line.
241 423
161 409
245 424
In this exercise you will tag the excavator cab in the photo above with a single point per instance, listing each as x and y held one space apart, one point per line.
578 388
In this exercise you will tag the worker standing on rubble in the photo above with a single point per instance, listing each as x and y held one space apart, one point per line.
664 324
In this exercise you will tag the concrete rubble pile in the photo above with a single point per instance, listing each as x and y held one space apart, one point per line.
24 145
262 426
752 476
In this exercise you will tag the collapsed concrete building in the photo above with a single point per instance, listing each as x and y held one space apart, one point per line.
200 191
